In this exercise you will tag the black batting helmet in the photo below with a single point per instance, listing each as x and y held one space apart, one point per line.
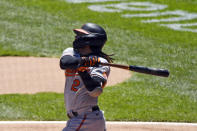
90 34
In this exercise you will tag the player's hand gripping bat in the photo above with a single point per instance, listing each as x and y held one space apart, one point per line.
141 69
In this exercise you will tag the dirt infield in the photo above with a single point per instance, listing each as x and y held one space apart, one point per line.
111 126
32 75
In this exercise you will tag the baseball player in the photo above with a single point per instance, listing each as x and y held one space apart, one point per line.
85 78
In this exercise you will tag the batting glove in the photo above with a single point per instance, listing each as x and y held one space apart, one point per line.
82 69
90 61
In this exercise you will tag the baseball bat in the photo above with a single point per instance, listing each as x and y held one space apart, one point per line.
141 69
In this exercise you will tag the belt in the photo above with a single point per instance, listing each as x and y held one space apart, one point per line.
75 114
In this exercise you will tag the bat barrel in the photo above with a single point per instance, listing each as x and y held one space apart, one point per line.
151 71
140 69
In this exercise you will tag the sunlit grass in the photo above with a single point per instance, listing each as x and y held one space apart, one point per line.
44 28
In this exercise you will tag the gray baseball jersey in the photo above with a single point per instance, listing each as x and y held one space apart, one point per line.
75 94
77 97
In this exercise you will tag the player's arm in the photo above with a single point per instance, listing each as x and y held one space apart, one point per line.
69 59
69 62
92 83
96 79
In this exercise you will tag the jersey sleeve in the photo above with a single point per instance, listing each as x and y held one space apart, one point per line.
68 51
69 59
101 72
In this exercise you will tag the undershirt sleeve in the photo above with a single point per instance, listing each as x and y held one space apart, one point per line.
69 62
91 82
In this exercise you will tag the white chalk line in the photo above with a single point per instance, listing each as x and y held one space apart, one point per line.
108 122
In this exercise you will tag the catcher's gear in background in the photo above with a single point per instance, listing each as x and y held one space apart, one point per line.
90 34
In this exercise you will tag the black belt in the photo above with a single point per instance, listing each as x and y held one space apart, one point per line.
75 114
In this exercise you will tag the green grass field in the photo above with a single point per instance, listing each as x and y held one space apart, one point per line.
44 28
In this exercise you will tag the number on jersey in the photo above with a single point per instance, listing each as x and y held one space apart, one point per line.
75 84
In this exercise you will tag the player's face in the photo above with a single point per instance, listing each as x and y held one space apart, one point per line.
85 50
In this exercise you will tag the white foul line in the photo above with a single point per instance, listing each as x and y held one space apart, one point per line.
108 122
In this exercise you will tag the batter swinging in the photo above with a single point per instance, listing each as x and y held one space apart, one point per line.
85 78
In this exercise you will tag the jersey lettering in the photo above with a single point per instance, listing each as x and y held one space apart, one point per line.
75 84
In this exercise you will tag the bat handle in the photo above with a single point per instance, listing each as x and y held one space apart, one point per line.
152 71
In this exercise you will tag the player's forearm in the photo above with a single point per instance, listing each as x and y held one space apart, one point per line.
69 62
72 62
90 82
